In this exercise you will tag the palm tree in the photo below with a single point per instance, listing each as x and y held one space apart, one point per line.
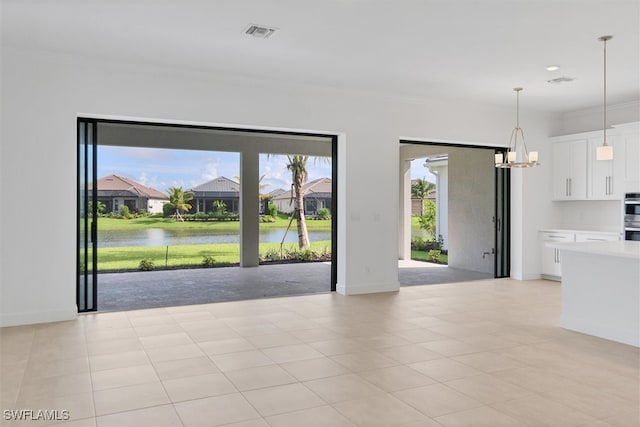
420 189
297 164
179 200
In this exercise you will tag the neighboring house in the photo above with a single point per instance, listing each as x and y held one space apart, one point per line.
317 195
222 189
268 198
116 191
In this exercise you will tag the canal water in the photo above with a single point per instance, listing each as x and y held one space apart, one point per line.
162 237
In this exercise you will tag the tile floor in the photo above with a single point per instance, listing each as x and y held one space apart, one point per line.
484 353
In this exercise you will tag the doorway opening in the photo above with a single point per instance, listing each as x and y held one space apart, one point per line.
237 204
460 230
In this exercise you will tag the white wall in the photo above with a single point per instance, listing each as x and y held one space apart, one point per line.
155 205
43 93
592 119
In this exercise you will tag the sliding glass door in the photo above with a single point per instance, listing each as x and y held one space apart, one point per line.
502 224
87 254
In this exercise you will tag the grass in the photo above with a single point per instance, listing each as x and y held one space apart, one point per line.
128 258
424 256
118 224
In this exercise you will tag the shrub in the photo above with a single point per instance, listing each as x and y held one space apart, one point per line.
324 213
273 210
272 254
125 213
434 254
167 210
267 218
428 220
219 208
208 261
146 265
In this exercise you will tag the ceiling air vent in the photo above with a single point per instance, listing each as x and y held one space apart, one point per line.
562 79
259 31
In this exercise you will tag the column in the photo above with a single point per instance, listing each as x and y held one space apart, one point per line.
249 201
404 232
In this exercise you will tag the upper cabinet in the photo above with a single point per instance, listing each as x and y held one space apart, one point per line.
577 175
570 170
630 141
607 176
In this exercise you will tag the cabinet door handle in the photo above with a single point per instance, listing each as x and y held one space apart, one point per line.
570 187
566 186
606 185
611 185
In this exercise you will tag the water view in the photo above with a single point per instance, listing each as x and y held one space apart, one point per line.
164 237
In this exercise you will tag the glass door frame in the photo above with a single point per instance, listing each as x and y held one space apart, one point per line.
86 211
502 212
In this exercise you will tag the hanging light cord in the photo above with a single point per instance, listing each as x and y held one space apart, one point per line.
517 109
604 125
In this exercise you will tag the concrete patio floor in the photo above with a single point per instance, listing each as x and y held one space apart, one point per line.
164 288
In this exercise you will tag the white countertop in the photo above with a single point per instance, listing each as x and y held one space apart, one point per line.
619 248
567 230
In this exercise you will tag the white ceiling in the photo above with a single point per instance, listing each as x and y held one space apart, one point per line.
468 49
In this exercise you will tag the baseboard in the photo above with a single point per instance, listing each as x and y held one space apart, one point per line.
519 275
28 318
367 288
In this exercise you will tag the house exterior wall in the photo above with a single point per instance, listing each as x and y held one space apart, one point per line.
155 206
59 87
471 208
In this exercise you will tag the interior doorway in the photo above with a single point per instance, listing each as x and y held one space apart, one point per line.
471 199
246 207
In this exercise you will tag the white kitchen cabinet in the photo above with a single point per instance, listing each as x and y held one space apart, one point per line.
585 236
570 170
606 177
550 257
631 143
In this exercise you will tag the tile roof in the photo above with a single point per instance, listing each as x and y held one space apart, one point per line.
320 187
115 183
219 184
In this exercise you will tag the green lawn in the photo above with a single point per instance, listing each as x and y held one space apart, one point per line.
424 256
128 258
118 224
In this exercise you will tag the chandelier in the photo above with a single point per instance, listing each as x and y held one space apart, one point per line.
517 157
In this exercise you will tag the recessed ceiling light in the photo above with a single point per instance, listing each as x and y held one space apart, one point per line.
259 31
552 68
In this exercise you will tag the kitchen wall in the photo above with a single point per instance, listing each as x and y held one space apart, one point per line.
601 215
592 119
44 92
597 215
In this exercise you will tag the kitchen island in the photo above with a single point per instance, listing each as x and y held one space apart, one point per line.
601 289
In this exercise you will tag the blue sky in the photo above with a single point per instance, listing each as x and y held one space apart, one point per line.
162 168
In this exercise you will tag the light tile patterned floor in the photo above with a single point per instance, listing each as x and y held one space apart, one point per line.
484 353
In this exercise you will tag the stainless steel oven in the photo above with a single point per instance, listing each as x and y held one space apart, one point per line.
632 216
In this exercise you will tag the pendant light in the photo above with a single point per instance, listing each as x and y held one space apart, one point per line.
605 151
517 158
